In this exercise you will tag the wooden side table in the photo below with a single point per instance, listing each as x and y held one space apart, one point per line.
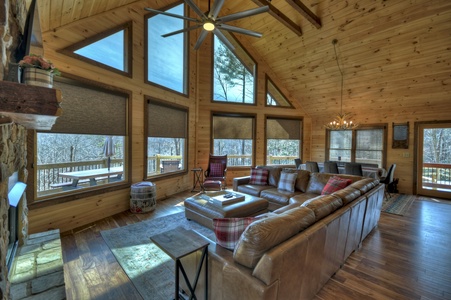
197 180
178 243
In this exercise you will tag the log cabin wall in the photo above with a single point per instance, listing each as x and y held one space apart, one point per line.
395 56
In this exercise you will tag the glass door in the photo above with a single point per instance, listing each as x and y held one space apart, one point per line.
434 160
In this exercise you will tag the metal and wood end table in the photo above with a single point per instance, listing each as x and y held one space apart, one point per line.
178 243
197 180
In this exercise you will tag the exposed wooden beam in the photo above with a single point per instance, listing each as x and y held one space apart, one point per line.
34 107
304 11
280 16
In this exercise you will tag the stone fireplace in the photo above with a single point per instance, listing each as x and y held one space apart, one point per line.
13 151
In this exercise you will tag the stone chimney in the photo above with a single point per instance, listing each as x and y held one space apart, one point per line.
13 137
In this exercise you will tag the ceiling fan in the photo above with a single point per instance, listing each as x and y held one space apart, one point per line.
210 22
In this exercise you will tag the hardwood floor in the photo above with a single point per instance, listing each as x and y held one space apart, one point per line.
405 257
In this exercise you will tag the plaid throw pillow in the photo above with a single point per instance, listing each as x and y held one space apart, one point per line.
287 181
259 176
334 184
228 230
216 170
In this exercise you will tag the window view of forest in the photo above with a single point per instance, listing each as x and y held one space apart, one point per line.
437 152
162 150
232 80
72 152
369 146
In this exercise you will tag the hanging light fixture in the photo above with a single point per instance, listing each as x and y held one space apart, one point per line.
342 120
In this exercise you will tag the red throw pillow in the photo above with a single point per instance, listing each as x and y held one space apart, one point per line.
334 184
216 170
259 176
228 230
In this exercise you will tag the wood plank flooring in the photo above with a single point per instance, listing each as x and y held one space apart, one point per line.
405 257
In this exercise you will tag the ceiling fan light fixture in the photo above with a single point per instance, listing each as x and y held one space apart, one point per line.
208 26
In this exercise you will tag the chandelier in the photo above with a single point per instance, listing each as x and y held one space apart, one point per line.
342 120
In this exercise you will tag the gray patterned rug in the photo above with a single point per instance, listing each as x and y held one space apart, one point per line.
149 268
398 204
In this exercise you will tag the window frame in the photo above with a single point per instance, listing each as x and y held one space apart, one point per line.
166 104
77 194
233 40
300 119
353 149
128 49
186 51
268 81
235 115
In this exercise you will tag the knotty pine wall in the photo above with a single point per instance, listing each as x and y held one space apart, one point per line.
395 55
70 215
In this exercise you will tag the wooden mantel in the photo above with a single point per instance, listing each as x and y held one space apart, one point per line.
34 107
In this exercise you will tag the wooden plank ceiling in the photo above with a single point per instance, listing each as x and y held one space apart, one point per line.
372 38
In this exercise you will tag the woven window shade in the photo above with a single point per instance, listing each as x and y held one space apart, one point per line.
284 129
90 111
232 127
166 121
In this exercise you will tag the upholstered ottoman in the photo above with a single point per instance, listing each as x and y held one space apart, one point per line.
212 185
203 211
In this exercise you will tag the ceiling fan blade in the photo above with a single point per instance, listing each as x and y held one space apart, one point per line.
201 39
217 5
223 39
181 30
196 9
171 15
240 30
243 14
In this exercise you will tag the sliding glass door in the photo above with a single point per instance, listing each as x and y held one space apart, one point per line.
434 160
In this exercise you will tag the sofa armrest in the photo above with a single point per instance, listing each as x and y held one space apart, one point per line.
240 181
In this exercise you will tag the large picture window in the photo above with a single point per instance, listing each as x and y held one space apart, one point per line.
86 147
283 140
167 56
233 74
166 138
362 145
234 135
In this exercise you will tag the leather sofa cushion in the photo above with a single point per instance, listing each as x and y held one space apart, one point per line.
264 234
301 198
253 190
324 205
274 174
317 182
278 196
301 180
348 194
365 185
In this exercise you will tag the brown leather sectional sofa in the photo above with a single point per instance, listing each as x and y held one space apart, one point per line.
294 251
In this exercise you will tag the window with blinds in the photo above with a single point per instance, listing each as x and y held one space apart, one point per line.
234 135
283 140
90 137
167 133
366 145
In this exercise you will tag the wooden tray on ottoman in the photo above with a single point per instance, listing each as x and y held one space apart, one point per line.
203 210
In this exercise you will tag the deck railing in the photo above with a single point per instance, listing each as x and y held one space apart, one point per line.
437 176
48 174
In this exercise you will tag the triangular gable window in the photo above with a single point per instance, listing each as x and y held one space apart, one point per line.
108 50
274 97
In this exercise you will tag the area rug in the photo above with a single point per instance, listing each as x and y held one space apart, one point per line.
150 270
398 204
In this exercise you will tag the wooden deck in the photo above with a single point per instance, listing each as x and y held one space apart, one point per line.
405 257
